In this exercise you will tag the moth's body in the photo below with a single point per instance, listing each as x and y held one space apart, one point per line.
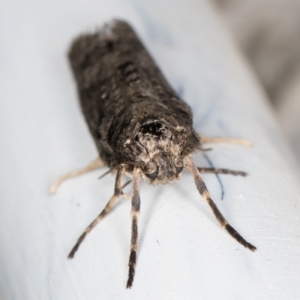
133 114
139 124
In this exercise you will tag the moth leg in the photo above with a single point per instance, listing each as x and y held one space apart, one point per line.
135 209
127 197
96 164
110 204
221 171
204 192
208 140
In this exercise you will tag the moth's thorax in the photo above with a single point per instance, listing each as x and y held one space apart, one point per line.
159 146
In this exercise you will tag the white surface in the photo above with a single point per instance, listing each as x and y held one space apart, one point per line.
183 253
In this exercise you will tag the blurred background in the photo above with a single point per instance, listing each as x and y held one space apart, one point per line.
268 31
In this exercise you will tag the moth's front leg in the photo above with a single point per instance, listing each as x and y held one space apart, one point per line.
110 204
95 164
135 210
201 186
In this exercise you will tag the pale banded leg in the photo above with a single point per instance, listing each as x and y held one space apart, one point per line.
135 203
110 204
96 164
208 140
127 197
221 171
204 192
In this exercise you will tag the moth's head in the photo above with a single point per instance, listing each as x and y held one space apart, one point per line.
161 150
162 170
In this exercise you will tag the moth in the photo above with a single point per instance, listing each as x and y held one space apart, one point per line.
141 127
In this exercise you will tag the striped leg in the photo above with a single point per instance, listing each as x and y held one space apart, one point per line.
105 211
221 171
204 192
134 229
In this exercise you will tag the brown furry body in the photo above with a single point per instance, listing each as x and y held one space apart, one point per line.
134 116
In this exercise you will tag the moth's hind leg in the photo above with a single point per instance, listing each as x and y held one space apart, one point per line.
224 140
208 140
205 194
110 204
96 164
221 171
